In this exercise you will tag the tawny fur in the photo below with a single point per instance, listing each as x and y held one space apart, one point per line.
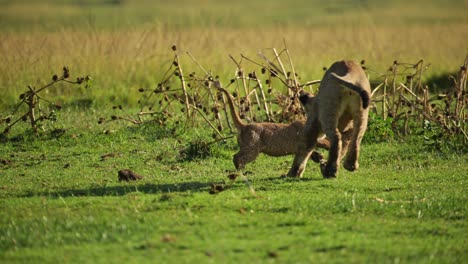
273 139
342 102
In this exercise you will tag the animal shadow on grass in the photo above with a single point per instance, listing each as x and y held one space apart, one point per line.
283 178
121 190
126 189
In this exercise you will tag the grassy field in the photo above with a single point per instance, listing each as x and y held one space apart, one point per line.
61 201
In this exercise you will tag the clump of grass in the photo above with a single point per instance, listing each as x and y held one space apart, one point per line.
196 149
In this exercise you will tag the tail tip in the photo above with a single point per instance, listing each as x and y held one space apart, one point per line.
365 100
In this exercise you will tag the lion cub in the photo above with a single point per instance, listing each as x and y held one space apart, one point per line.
342 102
273 139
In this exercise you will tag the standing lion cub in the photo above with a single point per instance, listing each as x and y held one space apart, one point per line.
342 101
273 139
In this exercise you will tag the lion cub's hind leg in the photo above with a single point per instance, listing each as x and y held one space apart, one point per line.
345 140
360 125
329 117
330 168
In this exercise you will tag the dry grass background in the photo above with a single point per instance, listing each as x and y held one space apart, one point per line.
125 45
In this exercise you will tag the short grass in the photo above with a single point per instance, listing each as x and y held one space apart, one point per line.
61 202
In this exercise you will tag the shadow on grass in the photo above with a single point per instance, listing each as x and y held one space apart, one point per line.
282 179
193 186
126 189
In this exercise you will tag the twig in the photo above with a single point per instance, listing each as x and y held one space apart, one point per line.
196 62
291 63
272 72
271 64
241 75
411 92
376 89
280 63
208 121
31 101
309 83
160 85
265 104
184 88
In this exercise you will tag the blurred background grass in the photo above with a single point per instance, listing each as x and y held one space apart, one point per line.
125 44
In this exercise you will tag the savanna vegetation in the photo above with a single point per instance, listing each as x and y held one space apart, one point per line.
90 87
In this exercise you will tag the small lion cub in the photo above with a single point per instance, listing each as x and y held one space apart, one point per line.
273 139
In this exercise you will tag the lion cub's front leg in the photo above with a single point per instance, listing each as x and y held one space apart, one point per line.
245 156
308 141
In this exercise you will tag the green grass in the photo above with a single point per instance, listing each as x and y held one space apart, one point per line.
61 202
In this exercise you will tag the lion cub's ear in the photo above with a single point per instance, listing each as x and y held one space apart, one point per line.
306 98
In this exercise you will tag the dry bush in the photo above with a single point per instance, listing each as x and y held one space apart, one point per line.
406 100
270 93
267 90
29 109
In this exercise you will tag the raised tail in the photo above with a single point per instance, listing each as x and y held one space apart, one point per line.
363 93
235 116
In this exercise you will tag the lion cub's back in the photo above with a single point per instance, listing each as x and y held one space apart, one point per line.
281 139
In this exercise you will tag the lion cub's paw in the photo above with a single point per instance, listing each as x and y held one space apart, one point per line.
316 157
328 172
295 172
351 166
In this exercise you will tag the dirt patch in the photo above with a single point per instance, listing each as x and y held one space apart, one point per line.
128 175
217 188
5 161
110 155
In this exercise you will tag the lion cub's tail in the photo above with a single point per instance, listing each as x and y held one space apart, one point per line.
363 93
235 116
